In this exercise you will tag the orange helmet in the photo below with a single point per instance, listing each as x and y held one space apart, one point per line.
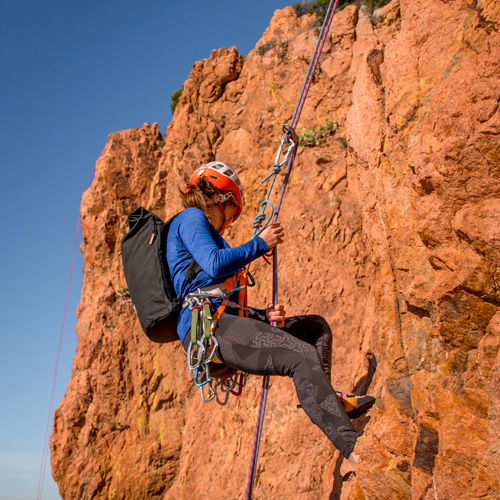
223 177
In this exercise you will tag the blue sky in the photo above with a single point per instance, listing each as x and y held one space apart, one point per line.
71 73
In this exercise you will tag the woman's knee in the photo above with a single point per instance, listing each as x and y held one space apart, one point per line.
303 364
321 321
321 328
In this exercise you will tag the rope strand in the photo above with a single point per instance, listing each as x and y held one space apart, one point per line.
45 452
291 139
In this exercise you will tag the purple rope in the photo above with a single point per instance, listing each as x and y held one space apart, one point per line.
314 62
43 465
45 453
258 433
295 119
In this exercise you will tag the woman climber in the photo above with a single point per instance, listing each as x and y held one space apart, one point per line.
298 347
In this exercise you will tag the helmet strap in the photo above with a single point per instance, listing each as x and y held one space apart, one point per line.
225 222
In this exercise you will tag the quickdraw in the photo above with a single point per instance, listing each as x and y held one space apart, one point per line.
203 344
288 147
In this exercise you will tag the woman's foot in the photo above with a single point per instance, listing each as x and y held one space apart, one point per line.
355 406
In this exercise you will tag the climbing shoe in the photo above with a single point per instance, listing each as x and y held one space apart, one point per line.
355 406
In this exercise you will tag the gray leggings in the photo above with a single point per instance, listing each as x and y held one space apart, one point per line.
301 350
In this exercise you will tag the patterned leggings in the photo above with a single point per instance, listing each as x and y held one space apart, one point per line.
301 350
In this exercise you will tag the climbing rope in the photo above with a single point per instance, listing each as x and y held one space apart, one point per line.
288 147
45 453
43 466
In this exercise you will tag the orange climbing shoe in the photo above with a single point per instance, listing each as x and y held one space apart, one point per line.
355 406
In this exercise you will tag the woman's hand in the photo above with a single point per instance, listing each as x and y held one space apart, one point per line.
273 235
276 313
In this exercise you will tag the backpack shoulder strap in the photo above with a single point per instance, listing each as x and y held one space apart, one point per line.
193 269
191 272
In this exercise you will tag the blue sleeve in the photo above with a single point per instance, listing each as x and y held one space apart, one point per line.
194 232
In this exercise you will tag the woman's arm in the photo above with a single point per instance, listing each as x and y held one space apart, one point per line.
194 232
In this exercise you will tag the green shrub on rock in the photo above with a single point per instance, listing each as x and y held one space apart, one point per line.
175 98
320 7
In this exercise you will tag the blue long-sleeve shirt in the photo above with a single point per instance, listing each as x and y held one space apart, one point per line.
190 237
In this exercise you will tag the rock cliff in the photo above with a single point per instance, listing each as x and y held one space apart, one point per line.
393 232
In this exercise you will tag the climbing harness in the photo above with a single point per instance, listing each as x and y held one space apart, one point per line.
288 147
203 344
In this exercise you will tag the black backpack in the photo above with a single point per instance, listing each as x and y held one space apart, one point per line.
144 257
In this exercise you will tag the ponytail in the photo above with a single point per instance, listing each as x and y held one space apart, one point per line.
201 195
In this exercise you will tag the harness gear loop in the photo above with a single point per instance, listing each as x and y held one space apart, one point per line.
207 318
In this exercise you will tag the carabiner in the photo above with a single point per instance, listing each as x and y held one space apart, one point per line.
200 353
226 386
212 348
221 402
252 280
241 384
211 393
207 379
288 129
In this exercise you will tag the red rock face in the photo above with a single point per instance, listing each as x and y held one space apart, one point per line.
393 235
